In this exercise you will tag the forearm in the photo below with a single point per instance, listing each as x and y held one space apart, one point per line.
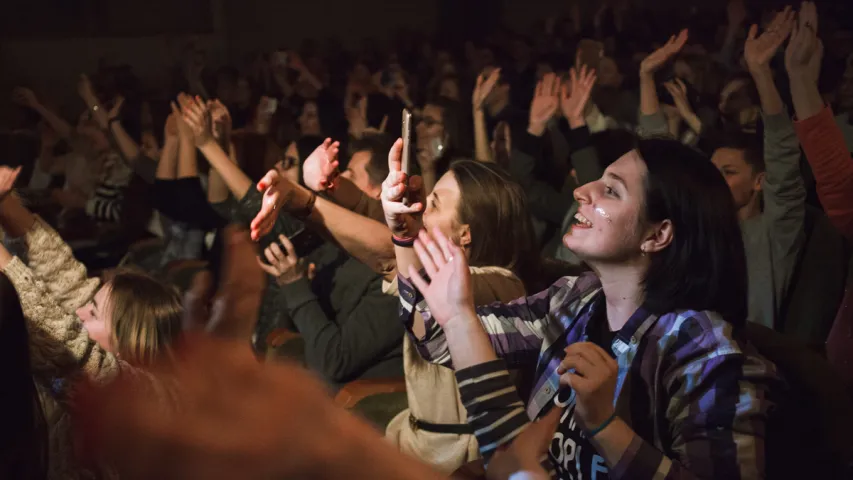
649 102
468 342
15 219
234 178
771 101
805 96
217 191
346 194
167 167
365 239
126 145
56 122
481 137
187 166
693 121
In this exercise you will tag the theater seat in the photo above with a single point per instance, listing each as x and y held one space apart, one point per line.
377 400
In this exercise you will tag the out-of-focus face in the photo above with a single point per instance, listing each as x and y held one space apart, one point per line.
96 319
288 166
309 120
742 179
684 71
449 88
608 73
609 227
356 172
430 126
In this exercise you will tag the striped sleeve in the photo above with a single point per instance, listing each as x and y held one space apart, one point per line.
516 330
495 410
105 203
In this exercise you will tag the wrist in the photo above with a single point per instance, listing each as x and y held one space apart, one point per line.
536 129
760 72
576 122
462 321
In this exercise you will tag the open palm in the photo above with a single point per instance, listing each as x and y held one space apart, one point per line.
759 49
576 93
448 291
546 100
320 167
659 57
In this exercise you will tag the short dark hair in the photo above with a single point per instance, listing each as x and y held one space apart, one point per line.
751 144
704 268
494 206
378 144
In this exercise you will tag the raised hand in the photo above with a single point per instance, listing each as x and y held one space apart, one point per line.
448 291
321 167
403 220
805 50
678 90
25 97
485 84
357 117
545 103
285 266
662 55
221 118
591 373
575 95
8 176
759 49
196 117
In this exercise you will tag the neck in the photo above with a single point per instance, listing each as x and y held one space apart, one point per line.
497 106
623 291
751 209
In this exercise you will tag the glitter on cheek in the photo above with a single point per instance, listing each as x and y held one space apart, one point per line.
600 211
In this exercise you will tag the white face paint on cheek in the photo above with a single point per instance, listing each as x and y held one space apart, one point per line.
603 214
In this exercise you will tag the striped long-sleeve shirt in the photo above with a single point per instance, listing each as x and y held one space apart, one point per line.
105 204
696 398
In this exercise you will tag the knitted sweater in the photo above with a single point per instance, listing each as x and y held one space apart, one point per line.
60 348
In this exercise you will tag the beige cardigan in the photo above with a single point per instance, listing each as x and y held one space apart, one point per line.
432 391
51 289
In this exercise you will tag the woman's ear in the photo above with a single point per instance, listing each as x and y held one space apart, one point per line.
659 237
463 235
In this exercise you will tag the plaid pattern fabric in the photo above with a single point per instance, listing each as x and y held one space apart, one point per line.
696 398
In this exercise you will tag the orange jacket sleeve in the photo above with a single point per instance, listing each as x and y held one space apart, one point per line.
826 151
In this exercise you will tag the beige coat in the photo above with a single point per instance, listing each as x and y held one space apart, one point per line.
432 391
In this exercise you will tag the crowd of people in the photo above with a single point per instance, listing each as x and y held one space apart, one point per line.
620 250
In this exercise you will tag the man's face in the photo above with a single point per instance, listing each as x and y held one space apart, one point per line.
356 172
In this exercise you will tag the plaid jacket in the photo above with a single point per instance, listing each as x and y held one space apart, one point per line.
696 398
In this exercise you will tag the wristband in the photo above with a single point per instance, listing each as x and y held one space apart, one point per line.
305 211
403 242
601 427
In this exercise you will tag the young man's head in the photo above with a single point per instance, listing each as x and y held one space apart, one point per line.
368 166
739 156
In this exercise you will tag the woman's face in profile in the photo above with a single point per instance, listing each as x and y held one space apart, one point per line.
608 227
288 167
442 207
96 319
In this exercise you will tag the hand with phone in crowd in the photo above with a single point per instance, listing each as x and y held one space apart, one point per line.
404 218
283 264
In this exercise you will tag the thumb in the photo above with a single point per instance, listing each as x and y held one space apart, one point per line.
753 32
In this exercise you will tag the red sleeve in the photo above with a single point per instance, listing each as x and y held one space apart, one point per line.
826 151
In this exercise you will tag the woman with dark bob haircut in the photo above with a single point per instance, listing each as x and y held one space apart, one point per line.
638 363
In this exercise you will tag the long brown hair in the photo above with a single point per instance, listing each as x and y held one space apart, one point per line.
494 207
146 316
